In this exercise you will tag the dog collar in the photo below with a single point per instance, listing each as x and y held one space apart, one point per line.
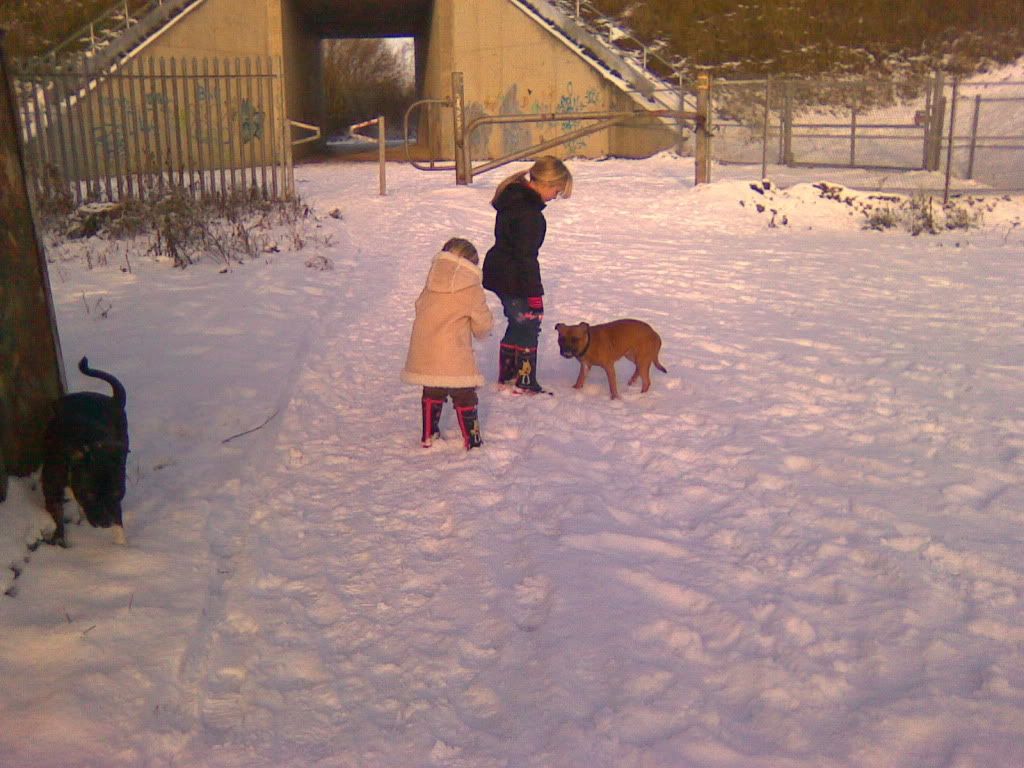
583 351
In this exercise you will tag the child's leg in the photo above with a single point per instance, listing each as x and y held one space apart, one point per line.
465 400
431 404
524 321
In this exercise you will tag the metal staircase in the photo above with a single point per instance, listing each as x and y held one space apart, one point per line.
638 67
111 36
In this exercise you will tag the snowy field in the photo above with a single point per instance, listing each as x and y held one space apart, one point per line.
801 549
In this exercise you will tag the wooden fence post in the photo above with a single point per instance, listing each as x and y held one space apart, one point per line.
952 135
936 118
459 116
974 136
31 370
787 123
382 141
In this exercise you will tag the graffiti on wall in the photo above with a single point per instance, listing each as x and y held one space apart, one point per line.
523 101
514 136
571 102
568 101
204 116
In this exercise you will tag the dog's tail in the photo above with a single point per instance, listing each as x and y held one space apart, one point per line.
659 366
120 396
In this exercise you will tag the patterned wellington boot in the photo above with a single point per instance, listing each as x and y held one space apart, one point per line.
526 371
469 423
431 413
507 363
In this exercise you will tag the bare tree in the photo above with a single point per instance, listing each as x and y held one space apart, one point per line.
364 78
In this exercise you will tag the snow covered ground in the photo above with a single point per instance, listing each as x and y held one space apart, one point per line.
802 548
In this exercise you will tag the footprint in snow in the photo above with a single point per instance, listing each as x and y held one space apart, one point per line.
532 602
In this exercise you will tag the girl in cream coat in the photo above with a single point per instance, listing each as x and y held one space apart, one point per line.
450 311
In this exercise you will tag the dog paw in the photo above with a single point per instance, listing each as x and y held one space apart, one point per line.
55 541
119 537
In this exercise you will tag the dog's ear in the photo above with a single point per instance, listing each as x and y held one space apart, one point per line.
585 326
559 326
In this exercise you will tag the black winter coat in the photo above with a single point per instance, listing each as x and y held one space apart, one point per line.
511 267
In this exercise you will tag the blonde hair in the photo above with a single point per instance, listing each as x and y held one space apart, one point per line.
548 170
462 248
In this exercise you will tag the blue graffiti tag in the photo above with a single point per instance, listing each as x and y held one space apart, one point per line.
251 122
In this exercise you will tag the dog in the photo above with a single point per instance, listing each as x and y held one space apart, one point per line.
602 345
85 447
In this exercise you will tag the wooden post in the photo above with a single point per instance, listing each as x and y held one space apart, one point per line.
853 136
787 124
702 159
949 144
936 119
382 154
31 371
926 122
681 126
764 126
459 116
974 136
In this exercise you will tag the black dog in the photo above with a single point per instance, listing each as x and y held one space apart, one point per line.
86 448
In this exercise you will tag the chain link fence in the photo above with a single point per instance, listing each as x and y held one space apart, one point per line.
927 136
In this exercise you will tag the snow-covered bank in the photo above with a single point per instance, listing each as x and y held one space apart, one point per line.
801 548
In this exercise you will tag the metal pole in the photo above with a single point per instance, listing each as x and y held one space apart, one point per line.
787 124
974 136
520 154
680 123
702 161
926 147
949 145
853 136
381 141
764 128
459 117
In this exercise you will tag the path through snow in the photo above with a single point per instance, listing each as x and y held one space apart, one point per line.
801 548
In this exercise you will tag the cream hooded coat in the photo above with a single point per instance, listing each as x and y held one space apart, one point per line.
449 312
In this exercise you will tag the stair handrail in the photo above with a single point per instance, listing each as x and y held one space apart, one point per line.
136 15
156 10
600 27
122 6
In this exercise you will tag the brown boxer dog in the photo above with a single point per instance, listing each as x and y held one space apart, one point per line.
602 345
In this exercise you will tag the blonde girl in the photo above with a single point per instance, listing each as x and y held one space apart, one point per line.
512 266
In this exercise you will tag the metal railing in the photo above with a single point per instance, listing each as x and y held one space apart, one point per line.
463 132
353 131
208 127
434 163
950 129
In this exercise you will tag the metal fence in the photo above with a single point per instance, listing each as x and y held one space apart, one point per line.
207 127
957 131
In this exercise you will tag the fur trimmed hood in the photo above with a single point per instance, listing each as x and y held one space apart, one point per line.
450 273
